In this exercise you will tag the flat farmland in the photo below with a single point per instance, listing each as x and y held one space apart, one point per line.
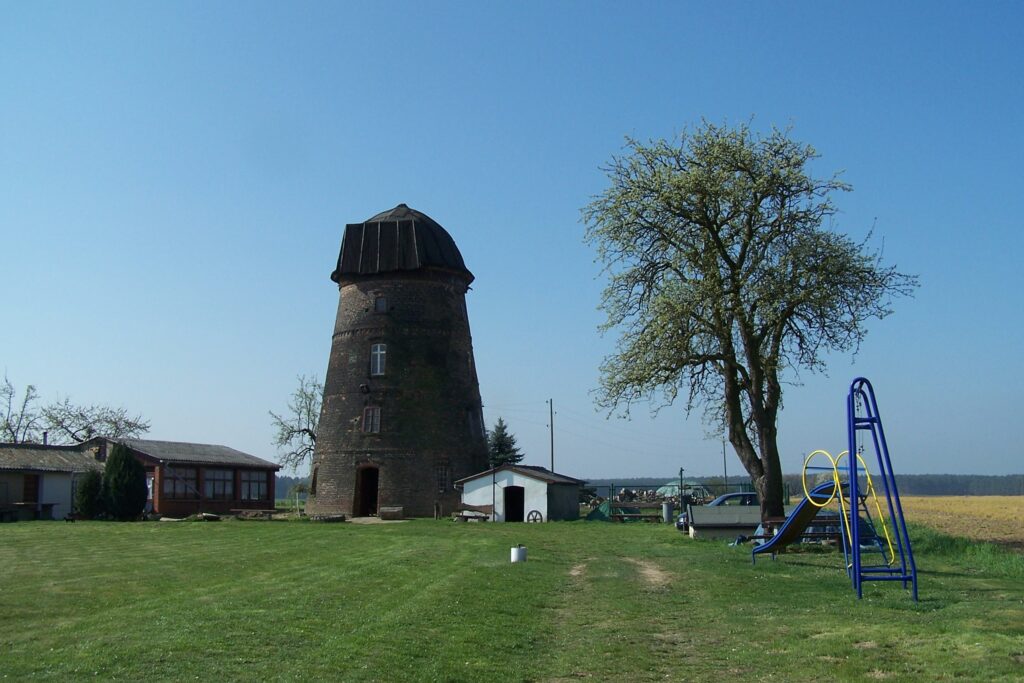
998 519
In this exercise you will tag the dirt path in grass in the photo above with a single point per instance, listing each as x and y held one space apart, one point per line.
655 576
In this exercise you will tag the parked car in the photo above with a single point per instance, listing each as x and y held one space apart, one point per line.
740 498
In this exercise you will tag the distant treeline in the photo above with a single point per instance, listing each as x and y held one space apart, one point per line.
909 484
284 486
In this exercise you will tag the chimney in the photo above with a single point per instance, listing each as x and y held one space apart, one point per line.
46 436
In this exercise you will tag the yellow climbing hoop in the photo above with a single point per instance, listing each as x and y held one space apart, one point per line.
835 477
837 489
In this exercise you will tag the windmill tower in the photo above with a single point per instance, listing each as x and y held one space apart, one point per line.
401 418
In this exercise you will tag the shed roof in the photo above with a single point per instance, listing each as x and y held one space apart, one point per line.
532 471
395 240
38 458
194 453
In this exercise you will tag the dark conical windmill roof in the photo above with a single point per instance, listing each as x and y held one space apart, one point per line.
398 239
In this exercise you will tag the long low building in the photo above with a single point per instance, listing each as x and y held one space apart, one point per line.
186 478
38 482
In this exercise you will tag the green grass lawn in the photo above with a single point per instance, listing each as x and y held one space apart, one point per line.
438 601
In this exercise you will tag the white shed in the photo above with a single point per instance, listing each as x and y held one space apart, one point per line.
522 493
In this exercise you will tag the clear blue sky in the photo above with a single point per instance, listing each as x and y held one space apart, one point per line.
175 179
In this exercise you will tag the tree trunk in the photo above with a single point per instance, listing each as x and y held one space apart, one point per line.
771 493
769 487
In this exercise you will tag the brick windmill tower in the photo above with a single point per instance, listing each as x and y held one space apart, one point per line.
401 417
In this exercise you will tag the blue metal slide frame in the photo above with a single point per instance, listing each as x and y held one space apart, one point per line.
862 415
798 521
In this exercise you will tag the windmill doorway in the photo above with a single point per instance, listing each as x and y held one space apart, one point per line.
367 480
515 497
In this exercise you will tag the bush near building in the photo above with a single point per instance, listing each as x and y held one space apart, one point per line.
124 485
89 495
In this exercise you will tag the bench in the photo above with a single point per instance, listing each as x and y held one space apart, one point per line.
470 516
641 517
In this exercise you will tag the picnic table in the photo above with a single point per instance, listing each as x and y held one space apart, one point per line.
637 516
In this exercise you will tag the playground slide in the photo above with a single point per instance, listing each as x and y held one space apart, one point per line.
797 522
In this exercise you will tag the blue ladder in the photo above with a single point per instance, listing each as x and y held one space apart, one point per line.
862 414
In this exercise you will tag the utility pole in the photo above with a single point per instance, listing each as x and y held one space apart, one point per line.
725 470
551 416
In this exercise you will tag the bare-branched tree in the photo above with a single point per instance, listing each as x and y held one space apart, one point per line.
70 423
63 421
296 430
22 422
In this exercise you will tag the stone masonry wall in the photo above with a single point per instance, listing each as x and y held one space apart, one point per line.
431 426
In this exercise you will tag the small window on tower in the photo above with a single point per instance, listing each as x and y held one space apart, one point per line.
380 304
378 356
371 419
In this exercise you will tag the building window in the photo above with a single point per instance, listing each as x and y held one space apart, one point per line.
30 489
254 485
378 355
380 304
219 484
180 483
371 419
443 476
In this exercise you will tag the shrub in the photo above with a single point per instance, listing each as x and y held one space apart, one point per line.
89 495
124 485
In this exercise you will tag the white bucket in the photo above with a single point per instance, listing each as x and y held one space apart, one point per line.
519 553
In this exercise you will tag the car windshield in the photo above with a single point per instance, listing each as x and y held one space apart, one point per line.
735 499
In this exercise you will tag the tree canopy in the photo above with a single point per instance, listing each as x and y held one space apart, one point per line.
501 446
725 278
296 429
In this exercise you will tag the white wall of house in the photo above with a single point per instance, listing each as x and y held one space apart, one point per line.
55 487
535 493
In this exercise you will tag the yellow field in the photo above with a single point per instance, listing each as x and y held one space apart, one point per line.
999 519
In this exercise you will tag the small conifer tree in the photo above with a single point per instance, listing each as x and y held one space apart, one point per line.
124 485
89 495
501 446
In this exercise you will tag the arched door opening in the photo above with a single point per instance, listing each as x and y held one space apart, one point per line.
515 497
367 480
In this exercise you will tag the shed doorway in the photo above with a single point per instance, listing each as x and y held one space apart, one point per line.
515 497
367 480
